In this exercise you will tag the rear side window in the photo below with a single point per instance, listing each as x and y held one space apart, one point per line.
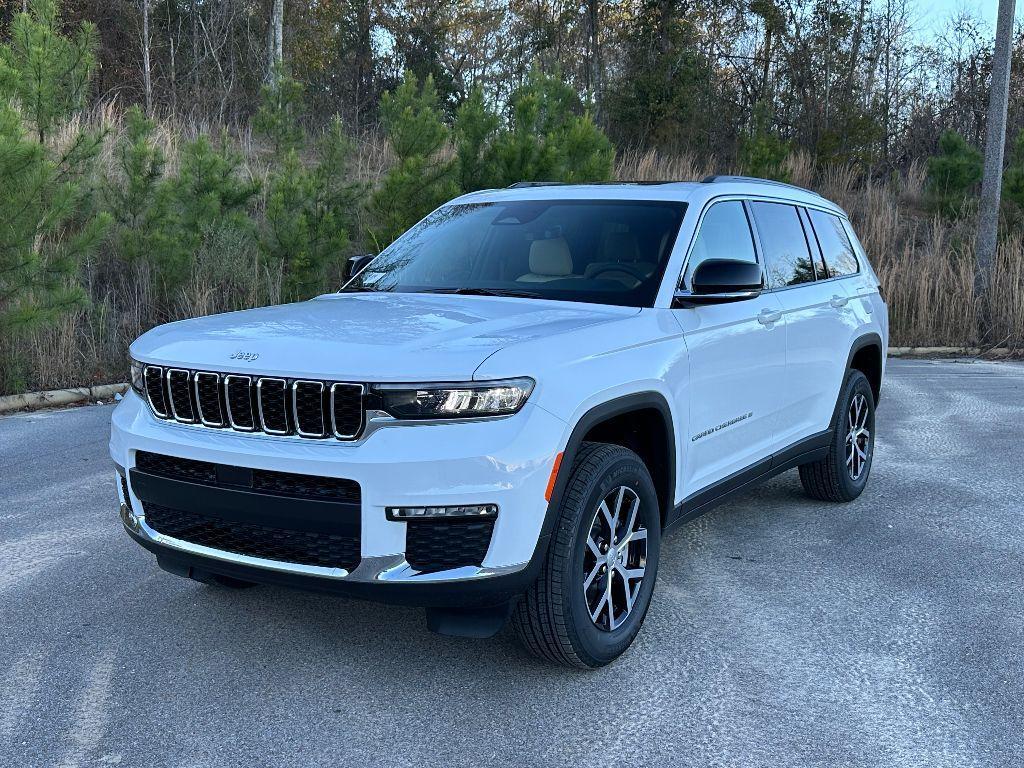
835 245
787 257
724 234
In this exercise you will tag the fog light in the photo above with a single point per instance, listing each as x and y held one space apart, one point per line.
442 513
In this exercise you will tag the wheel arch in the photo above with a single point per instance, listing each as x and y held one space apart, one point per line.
642 422
866 355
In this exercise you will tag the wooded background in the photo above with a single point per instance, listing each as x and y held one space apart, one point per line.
272 139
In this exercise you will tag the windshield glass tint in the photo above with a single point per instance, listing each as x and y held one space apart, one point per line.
606 252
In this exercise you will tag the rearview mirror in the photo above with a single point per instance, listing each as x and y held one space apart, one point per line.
356 264
721 281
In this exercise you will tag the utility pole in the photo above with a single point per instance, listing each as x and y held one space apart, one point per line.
992 182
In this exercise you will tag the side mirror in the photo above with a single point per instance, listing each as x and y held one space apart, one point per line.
356 264
721 281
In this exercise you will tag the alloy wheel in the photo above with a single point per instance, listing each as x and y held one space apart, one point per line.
858 437
615 559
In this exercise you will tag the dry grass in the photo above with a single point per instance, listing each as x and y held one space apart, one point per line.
925 263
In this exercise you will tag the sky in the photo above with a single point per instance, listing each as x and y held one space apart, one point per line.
985 9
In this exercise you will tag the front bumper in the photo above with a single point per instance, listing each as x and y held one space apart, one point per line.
505 462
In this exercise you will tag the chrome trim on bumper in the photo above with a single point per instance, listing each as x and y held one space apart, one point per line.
389 568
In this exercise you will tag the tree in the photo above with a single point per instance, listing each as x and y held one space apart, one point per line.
551 138
281 107
208 194
421 178
46 73
763 153
475 125
309 215
953 174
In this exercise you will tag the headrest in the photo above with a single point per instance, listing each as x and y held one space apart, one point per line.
620 247
550 257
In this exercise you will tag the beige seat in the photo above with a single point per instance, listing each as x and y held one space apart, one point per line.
549 260
619 248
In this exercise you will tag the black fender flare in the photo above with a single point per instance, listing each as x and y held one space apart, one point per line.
866 340
618 406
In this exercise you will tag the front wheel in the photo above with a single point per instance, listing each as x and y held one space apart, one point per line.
843 473
592 595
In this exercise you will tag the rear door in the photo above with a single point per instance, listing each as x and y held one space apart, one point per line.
737 355
819 322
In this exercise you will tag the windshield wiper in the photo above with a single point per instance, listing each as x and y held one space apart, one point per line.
487 292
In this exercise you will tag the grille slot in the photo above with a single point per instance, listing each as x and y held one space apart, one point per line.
238 399
326 550
191 470
271 395
347 410
268 481
181 395
276 406
308 408
154 378
207 389
433 545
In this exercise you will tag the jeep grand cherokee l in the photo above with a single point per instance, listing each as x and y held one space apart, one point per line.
500 415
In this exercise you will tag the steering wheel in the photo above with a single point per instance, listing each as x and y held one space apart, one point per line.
630 269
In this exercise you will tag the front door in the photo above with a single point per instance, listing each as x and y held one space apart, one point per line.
737 362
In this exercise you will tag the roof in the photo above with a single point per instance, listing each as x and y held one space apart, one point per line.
694 192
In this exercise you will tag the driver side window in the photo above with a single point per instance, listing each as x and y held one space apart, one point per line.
724 234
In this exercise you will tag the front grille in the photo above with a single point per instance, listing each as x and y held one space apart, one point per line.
326 550
264 480
274 406
432 545
190 470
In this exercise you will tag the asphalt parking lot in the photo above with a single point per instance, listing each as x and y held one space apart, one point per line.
784 632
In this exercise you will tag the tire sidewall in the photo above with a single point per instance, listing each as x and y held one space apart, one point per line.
856 383
594 645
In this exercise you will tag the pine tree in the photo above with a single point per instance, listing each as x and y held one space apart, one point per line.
552 138
763 153
282 105
475 125
44 230
309 215
46 73
138 197
209 194
953 174
421 178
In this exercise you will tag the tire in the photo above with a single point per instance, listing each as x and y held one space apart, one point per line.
554 619
841 476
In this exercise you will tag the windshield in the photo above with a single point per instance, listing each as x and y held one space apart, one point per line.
598 251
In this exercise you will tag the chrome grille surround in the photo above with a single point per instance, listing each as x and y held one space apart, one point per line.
197 379
266 404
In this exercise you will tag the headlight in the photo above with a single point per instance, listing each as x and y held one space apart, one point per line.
137 378
473 399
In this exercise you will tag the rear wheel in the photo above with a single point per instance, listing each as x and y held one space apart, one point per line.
592 595
843 473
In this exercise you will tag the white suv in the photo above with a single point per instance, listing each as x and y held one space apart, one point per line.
502 413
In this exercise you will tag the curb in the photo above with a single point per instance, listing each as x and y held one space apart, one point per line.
55 397
949 352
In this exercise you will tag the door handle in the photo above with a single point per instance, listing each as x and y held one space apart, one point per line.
838 301
769 316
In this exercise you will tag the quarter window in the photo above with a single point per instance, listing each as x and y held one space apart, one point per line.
724 234
835 245
787 257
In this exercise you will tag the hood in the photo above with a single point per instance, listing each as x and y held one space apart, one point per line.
367 336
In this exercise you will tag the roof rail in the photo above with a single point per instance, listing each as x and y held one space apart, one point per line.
756 180
524 184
